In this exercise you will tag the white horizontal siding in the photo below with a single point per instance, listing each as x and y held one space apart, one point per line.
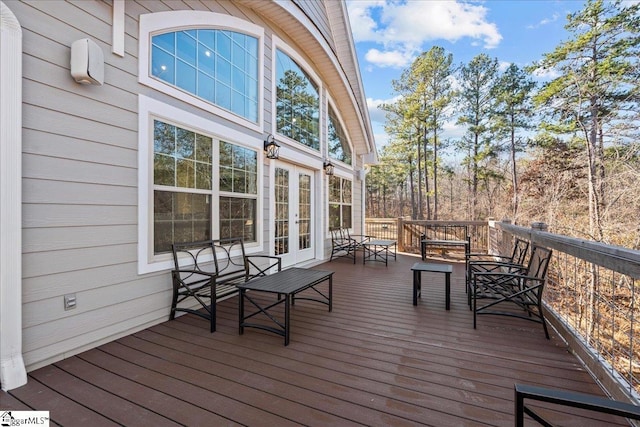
80 183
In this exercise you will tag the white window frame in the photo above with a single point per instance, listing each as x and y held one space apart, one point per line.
150 109
278 43
162 22
344 128
348 177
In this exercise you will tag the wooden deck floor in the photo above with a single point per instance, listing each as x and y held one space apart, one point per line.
374 360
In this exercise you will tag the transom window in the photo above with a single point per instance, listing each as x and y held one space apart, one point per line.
218 66
340 202
339 148
184 190
297 102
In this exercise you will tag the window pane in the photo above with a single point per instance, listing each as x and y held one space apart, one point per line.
226 179
238 218
164 137
203 176
180 217
186 77
207 38
203 148
334 216
346 191
185 143
166 42
164 170
162 65
346 216
206 87
334 189
186 47
186 173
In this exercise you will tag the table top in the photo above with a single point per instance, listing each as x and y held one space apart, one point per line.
379 243
287 281
430 266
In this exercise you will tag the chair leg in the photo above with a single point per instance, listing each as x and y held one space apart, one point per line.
174 300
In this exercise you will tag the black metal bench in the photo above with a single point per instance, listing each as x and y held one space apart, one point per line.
209 271
345 245
444 237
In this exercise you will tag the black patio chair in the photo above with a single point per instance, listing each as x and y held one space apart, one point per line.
342 246
476 262
508 291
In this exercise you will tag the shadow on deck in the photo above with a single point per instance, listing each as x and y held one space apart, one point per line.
374 360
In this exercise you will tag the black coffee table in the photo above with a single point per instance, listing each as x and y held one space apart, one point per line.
289 283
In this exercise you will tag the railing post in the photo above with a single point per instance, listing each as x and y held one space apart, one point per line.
506 238
400 225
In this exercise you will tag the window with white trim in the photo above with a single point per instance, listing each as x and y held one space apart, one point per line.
218 66
297 102
340 202
184 189
338 144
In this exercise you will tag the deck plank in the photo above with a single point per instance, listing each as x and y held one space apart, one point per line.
374 360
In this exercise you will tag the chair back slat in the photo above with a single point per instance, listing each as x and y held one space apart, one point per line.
520 249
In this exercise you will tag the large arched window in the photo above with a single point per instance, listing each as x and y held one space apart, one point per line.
209 60
297 103
338 145
218 66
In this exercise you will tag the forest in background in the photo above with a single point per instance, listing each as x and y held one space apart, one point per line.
565 152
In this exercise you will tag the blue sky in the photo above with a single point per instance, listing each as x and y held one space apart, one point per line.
390 34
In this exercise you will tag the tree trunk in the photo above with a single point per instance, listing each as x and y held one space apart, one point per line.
514 176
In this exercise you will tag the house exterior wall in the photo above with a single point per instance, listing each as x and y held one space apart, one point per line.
81 169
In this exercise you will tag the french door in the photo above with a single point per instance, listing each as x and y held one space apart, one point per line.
294 214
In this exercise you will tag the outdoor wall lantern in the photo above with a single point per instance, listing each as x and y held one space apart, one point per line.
271 147
328 167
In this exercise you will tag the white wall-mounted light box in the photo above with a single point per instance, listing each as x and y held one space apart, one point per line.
87 62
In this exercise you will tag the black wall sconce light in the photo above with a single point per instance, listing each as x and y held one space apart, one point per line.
328 167
271 147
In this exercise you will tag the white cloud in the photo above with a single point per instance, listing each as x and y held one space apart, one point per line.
390 58
545 21
503 65
375 113
404 27
546 73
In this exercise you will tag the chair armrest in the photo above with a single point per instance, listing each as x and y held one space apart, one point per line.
576 400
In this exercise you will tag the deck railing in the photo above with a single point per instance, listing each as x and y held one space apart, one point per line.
408 232
593 297
592 294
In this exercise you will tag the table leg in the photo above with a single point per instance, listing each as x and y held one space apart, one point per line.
416 285
447 290
241 311
330 293
287 316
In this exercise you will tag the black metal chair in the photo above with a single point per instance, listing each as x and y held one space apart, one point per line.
210 270
521 288
476 262
342 245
